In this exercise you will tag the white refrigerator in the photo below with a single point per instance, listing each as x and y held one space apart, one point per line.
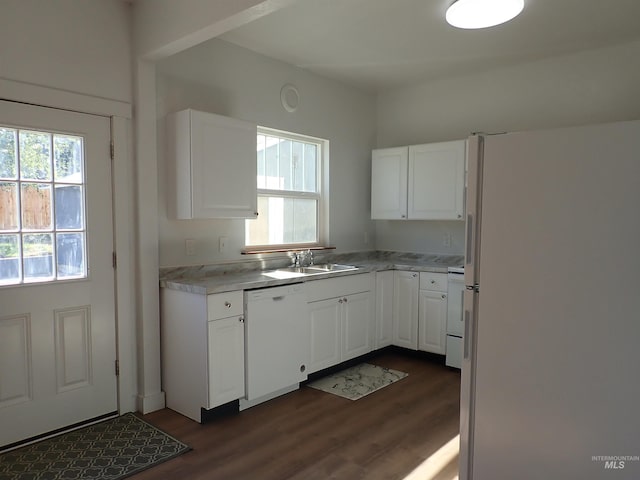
551 361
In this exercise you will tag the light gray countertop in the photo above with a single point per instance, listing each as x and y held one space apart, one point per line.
204 280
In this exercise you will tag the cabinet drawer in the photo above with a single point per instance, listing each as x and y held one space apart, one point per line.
433 281
222 305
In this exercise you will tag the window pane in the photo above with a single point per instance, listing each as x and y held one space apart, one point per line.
297 157
8 166
9 259
310 162
285 167
35 155
69 207
8 206
70 254
36 206
271 162
262 174
67 154
38 257
300 220
282 221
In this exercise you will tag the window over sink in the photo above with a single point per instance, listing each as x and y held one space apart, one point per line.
290 200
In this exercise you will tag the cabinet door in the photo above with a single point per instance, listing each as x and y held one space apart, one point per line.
226 360
212 166
384 309
405 309
436 181
432 312
223 167
389 183
324 333
357 325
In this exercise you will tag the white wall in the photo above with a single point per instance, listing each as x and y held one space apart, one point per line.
238 83
74 45
589 87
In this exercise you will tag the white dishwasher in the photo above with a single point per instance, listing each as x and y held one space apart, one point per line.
276 341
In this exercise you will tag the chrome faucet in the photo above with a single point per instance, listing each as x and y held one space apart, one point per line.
305 258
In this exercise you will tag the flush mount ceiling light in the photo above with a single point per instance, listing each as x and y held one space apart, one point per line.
482 13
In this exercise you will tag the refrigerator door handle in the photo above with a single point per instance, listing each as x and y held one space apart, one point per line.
467 331
469 255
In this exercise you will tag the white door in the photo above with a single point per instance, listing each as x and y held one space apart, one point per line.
384 308
226 360
405 309
432 321
324 334
357 325
57 321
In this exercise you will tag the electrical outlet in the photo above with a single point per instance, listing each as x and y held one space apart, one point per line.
190 247
446 239
222 243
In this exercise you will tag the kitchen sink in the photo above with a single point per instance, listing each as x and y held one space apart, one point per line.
323 268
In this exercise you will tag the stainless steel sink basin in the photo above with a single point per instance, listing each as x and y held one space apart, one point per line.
324 268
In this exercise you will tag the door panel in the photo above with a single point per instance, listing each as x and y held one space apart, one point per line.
357 323
324 324
57 338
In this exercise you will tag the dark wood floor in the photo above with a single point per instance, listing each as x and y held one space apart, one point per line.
309 434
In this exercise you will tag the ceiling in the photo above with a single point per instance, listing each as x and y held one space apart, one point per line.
381 44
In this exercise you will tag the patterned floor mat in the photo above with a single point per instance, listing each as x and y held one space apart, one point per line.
109 450
356 382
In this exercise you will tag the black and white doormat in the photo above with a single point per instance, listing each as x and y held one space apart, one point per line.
109 450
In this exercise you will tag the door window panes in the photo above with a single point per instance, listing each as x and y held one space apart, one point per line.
42 206
9 210
35 155
8 145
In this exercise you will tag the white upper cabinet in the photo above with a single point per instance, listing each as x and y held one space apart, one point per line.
389 183
419 182
212 166
436 181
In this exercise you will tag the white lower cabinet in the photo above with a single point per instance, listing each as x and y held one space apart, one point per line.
226 360
324 334
432 313
405 309
420 311
202 350
357 325
384 309
341 319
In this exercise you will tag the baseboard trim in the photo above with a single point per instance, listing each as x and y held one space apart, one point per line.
151 403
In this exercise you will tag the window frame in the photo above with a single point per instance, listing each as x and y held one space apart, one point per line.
319 195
